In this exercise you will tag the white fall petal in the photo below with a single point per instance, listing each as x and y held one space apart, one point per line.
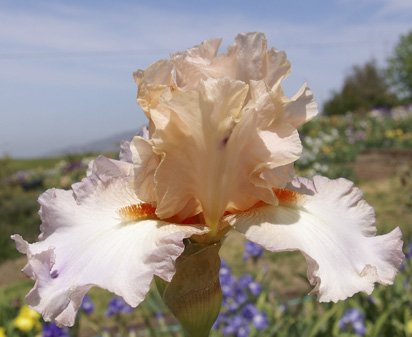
91 238
333 226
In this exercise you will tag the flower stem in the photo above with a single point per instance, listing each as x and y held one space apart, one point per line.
194 295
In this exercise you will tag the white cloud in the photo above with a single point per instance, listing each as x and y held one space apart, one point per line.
395 7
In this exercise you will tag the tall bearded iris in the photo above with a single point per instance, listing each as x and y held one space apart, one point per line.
219 156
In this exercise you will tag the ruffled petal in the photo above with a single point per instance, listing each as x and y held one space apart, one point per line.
145 164
300 108
125 152
223 117
196 64
214 150
333 226
153 82
98 234
192 134
111 168
247 59
251 60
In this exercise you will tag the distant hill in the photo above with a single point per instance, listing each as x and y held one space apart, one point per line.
109 144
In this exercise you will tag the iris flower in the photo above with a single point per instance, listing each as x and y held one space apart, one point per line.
219 154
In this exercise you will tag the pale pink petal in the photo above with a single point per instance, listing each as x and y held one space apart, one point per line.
145 164
278 136
125 152
333 226
239 136
90 238
253 61
300 108
103 166
144 132
196 64
192 131
214 150
153 82
247 59
275 177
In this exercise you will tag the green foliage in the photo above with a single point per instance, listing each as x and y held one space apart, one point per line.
332 144
364 89
400 67
387 312
33 163
18 212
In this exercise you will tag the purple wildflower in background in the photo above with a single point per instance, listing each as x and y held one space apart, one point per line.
231 325
52 330
249 311
252 251
408 253
354 319
118 306
260 320
225 273
255 288
241 295
408 256
243 331
236 326
226 280
74 166
87 305
239 311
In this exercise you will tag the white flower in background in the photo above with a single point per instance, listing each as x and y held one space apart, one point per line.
219 156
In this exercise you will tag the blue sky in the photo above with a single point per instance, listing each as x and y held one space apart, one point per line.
66 66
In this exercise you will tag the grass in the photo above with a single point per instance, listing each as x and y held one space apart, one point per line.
34 163
391 199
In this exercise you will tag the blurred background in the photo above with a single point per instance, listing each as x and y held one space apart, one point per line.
67 95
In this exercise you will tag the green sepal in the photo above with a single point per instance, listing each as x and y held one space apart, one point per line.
194 295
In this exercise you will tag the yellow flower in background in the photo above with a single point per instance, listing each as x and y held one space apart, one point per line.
399 132
396 133
2 332
327 149
389 134
27 319
408 326
23 323
26 311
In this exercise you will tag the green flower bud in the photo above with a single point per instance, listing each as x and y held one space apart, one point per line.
194 295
